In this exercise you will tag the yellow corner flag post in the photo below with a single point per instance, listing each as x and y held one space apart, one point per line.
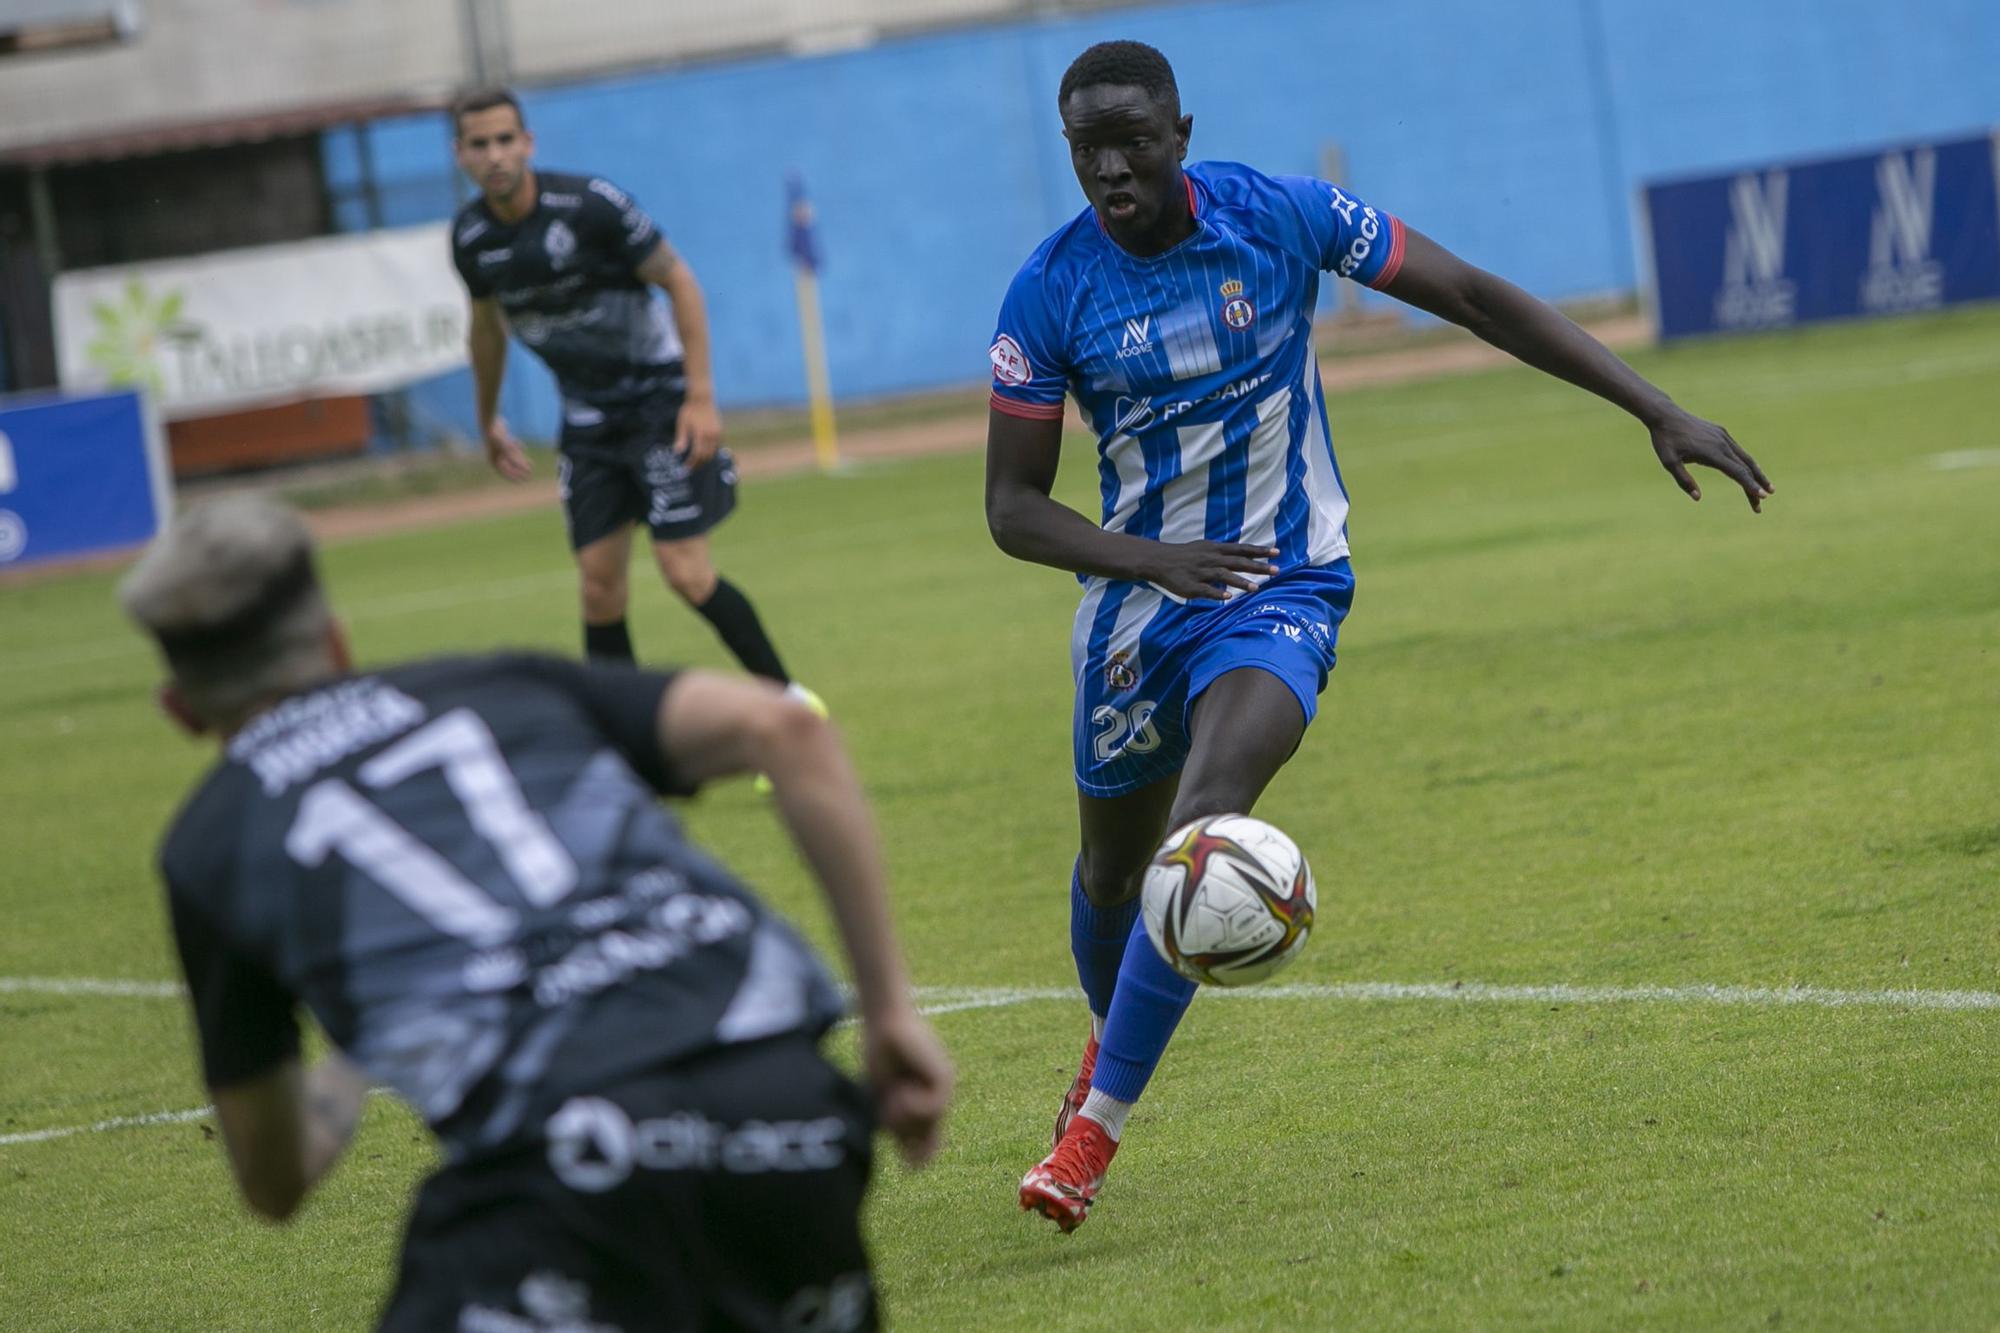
812 332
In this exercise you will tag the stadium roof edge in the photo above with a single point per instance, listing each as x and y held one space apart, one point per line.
188 136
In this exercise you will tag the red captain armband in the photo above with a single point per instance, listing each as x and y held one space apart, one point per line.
1014 407
1394 263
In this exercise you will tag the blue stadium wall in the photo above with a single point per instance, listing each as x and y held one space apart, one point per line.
1516 134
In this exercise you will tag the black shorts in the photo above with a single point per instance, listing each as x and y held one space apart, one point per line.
623 469
722 1193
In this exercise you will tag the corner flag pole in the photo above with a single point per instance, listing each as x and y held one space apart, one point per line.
812 332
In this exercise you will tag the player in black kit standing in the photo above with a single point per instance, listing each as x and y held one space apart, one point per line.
460 869
569 263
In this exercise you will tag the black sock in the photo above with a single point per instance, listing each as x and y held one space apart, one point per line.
736 621
607 643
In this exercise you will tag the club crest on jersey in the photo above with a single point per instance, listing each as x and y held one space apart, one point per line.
1237 312
560 242
1118 672
1010 363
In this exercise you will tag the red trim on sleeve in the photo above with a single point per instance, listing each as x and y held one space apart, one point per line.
1394 263
1014 407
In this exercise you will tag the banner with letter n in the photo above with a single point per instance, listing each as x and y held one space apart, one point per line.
246 328
1913 227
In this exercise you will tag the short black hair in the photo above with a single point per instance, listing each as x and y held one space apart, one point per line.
1121 65
484 99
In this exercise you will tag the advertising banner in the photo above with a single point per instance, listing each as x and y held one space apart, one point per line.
241 328
1908 228
79 476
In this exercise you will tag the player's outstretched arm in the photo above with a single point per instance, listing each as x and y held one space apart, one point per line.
713 726
286 1129
1028 523
699 432
486 345
1434 279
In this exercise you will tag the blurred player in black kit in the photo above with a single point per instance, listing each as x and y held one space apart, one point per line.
569 263
460 869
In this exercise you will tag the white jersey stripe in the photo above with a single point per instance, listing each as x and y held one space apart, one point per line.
1128 461
1321 535
1185 516
1136 612
1191 349
1264 487
1326 523
1086 618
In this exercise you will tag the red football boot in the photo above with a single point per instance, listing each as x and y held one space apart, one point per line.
1064 1186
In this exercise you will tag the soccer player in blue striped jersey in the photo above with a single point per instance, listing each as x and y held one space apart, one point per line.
1177 311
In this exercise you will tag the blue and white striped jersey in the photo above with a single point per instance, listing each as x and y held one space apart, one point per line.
1196 367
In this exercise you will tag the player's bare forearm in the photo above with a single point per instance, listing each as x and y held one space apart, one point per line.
284 1130
819 798
488 353
486 347
1043 531
1536 333
698 432
671 274
1028 523
715 726
335 1091
1521 325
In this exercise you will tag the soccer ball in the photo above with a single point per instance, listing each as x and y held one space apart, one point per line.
1228 900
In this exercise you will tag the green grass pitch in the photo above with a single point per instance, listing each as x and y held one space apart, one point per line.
1583 733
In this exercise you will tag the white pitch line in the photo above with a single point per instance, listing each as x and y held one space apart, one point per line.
1475 992
147 990
937 1000
122 1122
945 1000
958 999
119 1122
1958 460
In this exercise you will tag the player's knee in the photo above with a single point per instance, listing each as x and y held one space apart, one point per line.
1106 882
691 576
693 586
603 595
1215 795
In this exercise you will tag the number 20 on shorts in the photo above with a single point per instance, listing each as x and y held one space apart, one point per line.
1125 730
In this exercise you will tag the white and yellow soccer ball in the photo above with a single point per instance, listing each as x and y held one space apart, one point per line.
1228 900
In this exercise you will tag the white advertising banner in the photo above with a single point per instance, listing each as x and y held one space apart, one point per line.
242 328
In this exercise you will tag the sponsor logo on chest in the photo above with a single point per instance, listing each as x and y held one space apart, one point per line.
1138 338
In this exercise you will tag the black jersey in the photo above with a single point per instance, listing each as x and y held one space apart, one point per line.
565 276
460 868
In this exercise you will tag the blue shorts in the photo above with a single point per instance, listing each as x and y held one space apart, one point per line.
1142 660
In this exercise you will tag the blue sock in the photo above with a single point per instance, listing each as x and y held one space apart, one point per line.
1145 1009
1097 936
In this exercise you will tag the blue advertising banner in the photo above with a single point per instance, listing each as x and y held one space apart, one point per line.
79 475
1907 228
